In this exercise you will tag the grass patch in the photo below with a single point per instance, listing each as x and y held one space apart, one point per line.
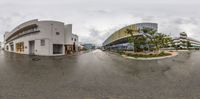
120 52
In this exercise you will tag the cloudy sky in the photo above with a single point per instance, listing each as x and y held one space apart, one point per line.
95 20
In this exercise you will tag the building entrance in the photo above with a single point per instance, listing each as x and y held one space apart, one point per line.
32 47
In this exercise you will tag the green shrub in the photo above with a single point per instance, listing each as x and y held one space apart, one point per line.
120 52
162 53
148 55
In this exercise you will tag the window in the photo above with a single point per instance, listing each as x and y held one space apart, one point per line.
72 39
20 47
57 49
57 33
7 48
11 47
42 42
35 28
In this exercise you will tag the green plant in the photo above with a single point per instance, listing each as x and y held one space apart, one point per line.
120 52
147 55
148 37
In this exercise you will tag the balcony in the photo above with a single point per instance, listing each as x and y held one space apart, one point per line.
27 32
28 28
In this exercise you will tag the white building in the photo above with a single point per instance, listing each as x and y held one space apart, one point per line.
46 38
183 42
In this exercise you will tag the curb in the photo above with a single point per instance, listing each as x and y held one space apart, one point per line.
155 58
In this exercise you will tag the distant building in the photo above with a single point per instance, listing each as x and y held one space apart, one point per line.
88 46
46 38
185 42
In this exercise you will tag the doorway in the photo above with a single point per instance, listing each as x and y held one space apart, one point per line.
57 49
32 47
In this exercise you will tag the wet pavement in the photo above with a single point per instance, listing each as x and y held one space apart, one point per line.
99 75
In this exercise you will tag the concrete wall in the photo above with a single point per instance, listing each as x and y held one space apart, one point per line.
49 30
68 34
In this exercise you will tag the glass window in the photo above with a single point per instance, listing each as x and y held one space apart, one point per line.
42 42
57 49
20 47
57 33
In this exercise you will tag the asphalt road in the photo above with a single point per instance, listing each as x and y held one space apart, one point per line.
99 75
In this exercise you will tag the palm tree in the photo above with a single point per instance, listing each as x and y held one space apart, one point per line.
134 39
168 41
148 37
129 31
159 40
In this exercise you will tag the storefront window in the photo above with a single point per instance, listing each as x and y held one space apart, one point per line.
20 47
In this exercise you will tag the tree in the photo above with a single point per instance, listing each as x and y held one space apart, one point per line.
137 40
167 41
148 37
131 32
159 40
130 39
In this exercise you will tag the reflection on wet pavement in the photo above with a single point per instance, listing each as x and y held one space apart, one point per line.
99 75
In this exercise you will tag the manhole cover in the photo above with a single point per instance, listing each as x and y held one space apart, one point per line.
35 59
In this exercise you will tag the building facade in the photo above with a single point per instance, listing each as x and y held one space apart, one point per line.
119 39
185 42
89 46
46 38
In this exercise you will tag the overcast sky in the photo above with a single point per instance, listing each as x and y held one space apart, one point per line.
95 20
